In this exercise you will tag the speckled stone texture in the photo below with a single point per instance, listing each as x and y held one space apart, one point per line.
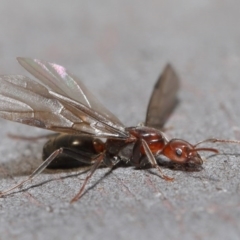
118 49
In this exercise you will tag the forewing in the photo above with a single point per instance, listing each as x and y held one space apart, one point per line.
23 100
26 101
163 99
59 80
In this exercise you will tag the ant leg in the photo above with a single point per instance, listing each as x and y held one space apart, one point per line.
78 156
25 138
98 160
136 154
153 161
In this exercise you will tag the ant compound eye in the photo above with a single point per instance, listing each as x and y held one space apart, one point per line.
179 152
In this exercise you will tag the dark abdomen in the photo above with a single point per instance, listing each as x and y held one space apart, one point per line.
86 145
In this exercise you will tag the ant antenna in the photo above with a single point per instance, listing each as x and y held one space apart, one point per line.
205 149
215 140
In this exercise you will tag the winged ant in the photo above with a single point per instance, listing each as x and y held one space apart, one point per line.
58 101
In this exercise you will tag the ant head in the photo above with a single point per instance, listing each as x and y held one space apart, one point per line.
182 152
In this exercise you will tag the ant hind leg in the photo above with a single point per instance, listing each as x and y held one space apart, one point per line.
61 151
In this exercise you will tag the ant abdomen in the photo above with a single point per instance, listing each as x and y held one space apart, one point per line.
86 145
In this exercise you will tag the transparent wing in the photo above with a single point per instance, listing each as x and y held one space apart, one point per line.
59 80
26 101
163 99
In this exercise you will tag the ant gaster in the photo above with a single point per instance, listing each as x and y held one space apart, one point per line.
58 101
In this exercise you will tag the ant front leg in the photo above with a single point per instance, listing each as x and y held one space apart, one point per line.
153 161
79 156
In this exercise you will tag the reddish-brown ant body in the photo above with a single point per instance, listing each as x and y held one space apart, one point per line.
58 101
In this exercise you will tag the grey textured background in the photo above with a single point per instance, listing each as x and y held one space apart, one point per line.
119 48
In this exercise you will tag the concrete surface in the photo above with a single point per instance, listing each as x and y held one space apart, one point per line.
119 48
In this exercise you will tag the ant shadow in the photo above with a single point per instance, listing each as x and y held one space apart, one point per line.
82 170
25 189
